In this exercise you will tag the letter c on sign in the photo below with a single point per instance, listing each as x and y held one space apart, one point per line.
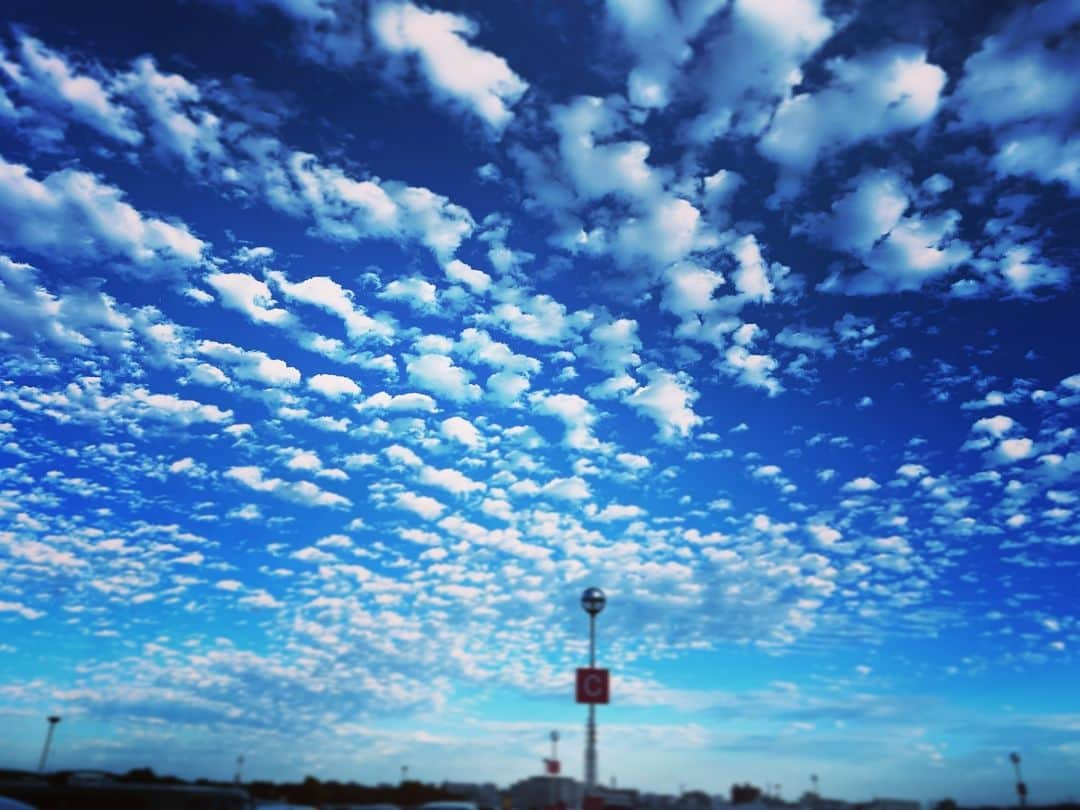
594 685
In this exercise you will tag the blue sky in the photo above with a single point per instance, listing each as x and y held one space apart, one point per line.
345 343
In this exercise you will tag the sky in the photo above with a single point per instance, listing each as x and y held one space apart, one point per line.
345 343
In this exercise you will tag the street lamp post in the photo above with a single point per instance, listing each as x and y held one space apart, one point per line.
1021 786
53 720
551 769
592 601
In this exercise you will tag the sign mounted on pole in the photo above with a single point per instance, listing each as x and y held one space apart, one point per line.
592 685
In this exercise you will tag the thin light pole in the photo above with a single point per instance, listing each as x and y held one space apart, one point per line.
53 720
551 769
1021 786
593 601
590 731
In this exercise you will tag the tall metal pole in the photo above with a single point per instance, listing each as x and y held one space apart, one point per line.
590 729
593 601
1021 786
53 720
552 776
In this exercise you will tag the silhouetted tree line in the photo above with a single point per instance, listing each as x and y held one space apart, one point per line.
745 793
311 790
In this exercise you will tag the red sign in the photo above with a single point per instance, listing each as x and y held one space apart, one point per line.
593 802
551 766
592 686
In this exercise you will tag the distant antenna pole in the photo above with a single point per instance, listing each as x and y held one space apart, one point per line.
551 768
1021 786
53 720
814 782
239 769
404 773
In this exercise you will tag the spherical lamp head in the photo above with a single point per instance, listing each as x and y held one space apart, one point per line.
593 601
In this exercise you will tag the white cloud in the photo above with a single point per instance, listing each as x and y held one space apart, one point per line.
478 346
1011 450
305 460
754 370
1020 85
460 429
575 412
249 295
751 278
870 96
997 426
45 78
416 292
613 167
633 461
456 71
754 63
398 403
325 293
574 488
911 470
539 318
451 480
506 387
860 218
242 154
614 345
302 492
861 484
618 511
476 280
438 374
422 505
74 215
669 230
916 250
668 400
178 126
1023 272
251 365
657 36
333 385
823 534
75 319
28 613
169 407
349 210
689 289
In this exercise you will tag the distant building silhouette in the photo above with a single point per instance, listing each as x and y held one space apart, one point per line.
535 792
485 794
